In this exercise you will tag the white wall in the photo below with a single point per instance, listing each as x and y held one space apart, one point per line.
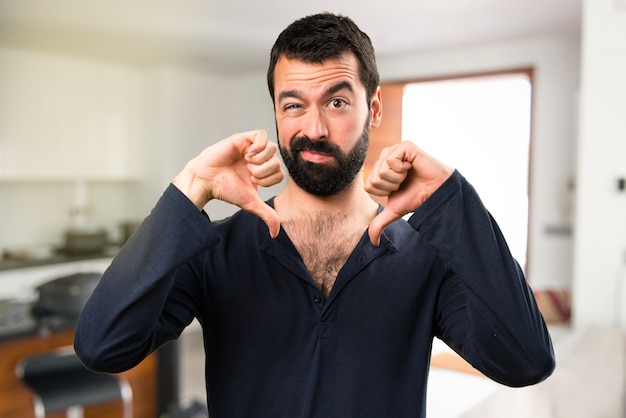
35 207
555 62
600 245
35 214
191 110
182 119
185 111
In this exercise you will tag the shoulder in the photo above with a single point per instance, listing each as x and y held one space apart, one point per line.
242 225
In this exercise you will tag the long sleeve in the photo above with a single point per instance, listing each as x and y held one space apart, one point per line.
485 309
135 308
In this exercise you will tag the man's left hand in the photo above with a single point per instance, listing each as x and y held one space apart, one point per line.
407 176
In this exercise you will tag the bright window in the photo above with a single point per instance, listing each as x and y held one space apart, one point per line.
481 126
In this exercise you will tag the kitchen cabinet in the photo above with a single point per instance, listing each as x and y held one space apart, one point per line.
150 394
16 398
62 118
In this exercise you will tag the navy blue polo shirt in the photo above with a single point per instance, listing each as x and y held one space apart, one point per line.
276 347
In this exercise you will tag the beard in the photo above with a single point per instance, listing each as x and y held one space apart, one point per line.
325 179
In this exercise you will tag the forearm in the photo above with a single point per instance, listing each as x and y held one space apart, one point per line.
194 188
487 311
125 318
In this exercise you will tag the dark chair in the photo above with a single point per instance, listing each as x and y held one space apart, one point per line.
60 382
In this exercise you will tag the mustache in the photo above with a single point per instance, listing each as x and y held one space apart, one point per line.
302 143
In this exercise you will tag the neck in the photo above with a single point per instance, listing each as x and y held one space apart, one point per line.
353 201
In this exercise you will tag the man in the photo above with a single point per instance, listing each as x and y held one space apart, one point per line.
332 312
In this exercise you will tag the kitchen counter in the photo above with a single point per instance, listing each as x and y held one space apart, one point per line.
56 258
19 287
19 280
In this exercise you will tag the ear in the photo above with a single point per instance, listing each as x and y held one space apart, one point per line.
376 108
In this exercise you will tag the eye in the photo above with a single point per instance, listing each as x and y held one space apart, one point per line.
291 106
337 103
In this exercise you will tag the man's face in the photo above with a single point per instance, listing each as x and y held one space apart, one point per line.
329 178
323 122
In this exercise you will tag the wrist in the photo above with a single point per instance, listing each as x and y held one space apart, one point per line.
192 187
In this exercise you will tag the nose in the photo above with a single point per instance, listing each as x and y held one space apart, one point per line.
314 124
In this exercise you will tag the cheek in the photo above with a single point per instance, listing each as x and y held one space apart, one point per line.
347 131
286 127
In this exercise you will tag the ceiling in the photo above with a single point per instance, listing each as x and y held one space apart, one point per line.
236 36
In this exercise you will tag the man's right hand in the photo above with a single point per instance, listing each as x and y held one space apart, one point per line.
231 170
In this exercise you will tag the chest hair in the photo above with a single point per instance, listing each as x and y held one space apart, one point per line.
324 243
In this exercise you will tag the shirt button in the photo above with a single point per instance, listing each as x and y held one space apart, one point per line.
317 299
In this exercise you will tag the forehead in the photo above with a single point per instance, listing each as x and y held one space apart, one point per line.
292 74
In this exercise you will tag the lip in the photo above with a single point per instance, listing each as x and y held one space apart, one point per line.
315 157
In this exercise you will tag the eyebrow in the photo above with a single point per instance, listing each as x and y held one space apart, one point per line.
329 91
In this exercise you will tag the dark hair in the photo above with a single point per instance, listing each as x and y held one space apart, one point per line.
316 38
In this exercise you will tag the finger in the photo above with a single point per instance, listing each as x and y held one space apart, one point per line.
262 153
399 163
245 141
271 179
392 175
379 223
386 180
378 188
373 179
258 143
268 173
389 171
267 215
